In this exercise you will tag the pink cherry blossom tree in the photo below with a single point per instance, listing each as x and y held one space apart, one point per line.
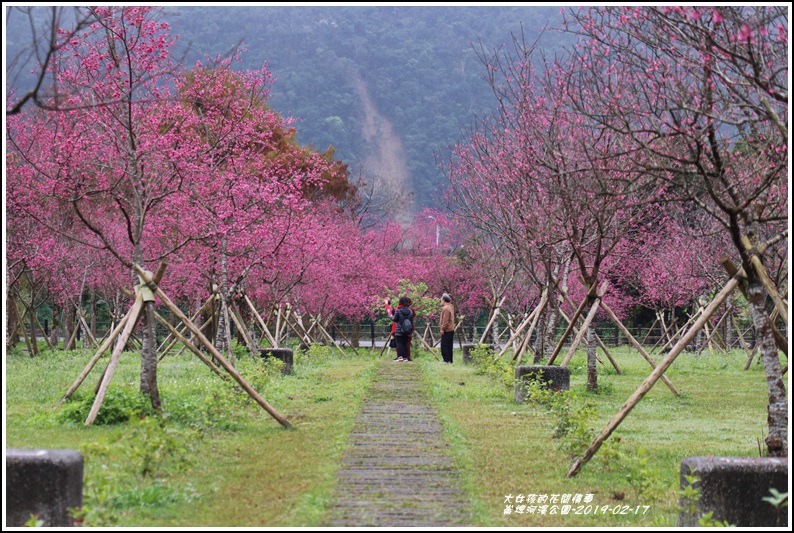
701 92
553 180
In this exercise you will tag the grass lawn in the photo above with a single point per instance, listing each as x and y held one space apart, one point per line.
509 449
220 460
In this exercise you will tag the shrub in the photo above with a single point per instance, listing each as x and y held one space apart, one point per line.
118 406
482 356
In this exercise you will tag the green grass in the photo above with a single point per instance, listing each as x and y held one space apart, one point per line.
243 468
505 448
222 461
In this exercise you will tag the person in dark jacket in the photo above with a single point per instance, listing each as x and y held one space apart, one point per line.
402 314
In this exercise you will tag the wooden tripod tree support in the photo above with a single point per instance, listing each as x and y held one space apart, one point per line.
649 382
135 314
764 277
590 316
780 340
637 345
298 329
569 329
715 334
81 317
105 345
495 313
242 329
600 344
271 340
171 336
650 330
531 319
191 346
147 279
598 339
345 338
385 345
180 335
429 348
664 335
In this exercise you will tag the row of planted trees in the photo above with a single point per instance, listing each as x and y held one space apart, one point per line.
653 156
129 163
656 150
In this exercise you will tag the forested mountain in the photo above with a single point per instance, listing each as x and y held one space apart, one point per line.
389 87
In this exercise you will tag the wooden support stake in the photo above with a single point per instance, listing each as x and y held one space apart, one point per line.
162 356
208 345
82 321
598 339
114 358
613 317
649 382
428 347
304 338
47 337
664 335
238 321
385 345
345 338
750 359
601 344
780 340
568 330
650 330
765 280
525 343
494 314
190 346
73 336
105 345
524 323
585 325
261 323
182 330
328 336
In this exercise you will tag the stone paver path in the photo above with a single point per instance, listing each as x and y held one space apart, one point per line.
398 472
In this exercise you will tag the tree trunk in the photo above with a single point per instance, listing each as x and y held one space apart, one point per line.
547 343
34 335
148 384
592 369
93 314
728 329
223 340
12 338
777 413
68 323
55 326
355 334
149 356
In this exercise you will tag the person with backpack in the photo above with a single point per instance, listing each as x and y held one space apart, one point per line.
403 317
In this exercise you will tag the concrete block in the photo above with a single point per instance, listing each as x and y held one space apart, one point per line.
466 350
734 488
285 354
558 377
45 483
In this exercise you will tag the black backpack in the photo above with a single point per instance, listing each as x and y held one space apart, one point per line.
407 326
